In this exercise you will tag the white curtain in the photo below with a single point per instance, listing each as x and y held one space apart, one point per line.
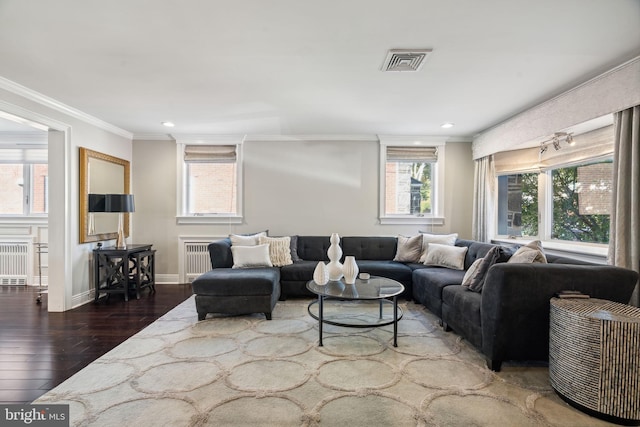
484 200
624 240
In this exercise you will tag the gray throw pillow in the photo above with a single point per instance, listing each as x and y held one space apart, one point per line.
294 249
409 249
474 277
470 273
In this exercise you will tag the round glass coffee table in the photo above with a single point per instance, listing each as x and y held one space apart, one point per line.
380 289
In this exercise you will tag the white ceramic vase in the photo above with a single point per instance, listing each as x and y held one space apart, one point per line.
321 274
334 253
350 270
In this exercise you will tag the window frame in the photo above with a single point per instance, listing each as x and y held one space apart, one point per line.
545 214
181 200
27 185
548 197
436 217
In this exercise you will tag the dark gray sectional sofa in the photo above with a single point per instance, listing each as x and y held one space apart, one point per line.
508 320
374 255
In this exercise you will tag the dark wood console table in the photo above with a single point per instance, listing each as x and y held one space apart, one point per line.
124 270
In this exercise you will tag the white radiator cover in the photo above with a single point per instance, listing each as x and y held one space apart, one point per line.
194 256
197 260
14 263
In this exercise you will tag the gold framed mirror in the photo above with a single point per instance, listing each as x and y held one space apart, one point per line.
101 174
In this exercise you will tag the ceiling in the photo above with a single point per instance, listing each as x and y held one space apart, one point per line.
291 67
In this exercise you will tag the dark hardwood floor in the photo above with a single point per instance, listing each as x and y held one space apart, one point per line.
39 350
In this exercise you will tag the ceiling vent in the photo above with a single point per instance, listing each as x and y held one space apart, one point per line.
405 59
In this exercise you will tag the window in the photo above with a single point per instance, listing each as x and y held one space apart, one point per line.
23 182
581 202
578 207
562 194
210 190
518 204
411 179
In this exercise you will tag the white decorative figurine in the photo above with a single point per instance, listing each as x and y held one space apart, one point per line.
350 270
320 274
334 253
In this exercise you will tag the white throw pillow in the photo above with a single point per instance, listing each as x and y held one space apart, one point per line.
246 240
442 239
251 256
446 256
279 249
529 254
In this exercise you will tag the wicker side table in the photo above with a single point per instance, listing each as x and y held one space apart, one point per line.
594 357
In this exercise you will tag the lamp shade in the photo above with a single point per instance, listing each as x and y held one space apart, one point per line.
119 203
96 203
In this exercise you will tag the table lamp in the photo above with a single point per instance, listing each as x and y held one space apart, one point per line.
95 204
119 203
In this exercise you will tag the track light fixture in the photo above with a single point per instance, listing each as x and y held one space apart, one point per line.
543 147
556 140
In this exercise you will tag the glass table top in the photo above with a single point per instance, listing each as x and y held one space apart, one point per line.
373 288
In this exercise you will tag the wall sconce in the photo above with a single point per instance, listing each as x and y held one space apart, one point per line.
556 141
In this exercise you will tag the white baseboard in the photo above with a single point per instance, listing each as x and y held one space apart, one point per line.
167 279
88 296
82 298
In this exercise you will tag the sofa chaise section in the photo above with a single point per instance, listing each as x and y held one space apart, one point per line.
234 291
228 290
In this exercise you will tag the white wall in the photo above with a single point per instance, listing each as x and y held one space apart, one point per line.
290 187
69 261
84 135
310 187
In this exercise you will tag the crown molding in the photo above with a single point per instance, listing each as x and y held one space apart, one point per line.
310 137
153 137
208 138
195 138
416 140
468 139
48 102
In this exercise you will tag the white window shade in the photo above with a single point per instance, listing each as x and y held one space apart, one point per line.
23 156
517 161
593 145
210 153
412 154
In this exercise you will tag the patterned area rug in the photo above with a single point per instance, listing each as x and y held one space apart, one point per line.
247 371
